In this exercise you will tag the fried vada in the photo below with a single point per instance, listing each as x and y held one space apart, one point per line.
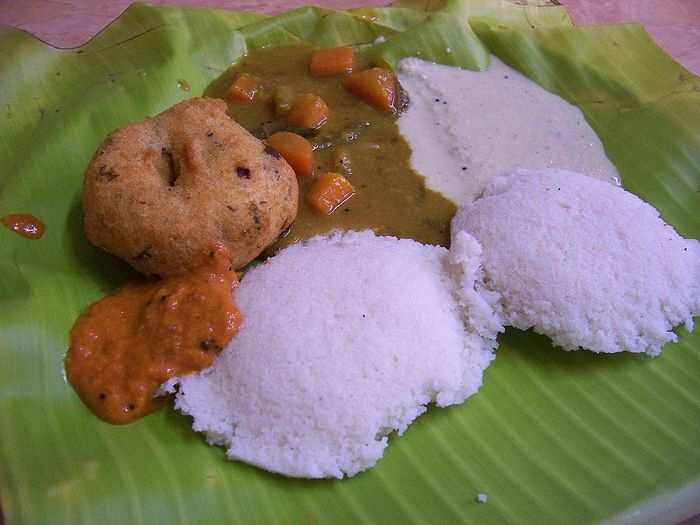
160 192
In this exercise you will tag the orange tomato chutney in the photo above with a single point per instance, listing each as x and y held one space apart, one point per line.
24 224
128 344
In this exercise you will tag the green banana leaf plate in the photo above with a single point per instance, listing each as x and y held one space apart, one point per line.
553 437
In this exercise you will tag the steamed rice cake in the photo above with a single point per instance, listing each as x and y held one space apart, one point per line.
345 340
583 261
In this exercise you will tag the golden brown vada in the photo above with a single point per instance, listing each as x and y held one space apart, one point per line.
160 192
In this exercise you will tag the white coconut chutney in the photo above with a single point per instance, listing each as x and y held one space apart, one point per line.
466 127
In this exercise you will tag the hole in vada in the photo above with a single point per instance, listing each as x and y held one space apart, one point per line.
171 168
108 173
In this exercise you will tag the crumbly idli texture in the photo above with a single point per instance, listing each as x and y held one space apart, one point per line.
584 262
345 339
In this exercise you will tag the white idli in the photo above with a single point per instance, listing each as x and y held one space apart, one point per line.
345 339
583 261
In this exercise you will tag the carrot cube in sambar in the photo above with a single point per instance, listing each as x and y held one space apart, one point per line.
296 150
329 191
244 88
376 86
333 61
308 112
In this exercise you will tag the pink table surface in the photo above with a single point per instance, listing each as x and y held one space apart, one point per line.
674 24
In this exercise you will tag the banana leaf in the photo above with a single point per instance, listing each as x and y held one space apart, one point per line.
552 437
